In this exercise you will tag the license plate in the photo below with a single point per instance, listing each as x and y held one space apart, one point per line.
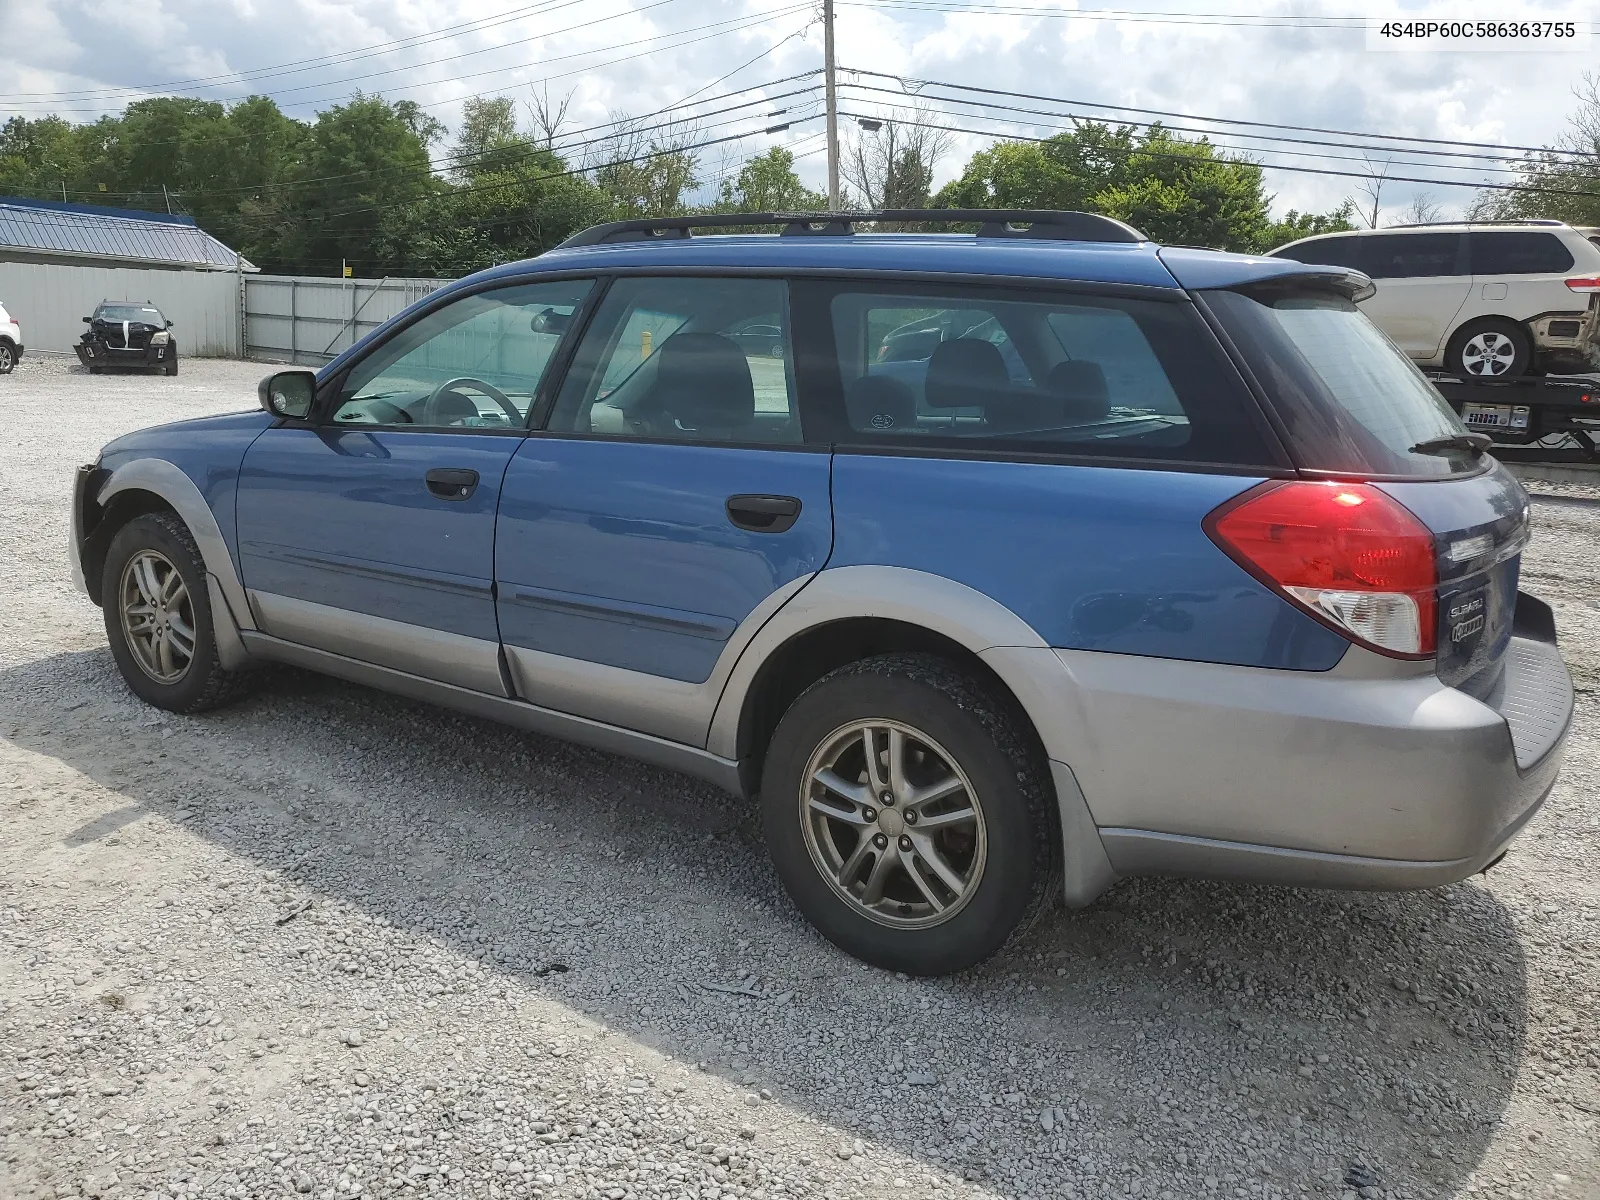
1496 416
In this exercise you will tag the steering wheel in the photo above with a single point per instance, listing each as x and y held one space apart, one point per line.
430 407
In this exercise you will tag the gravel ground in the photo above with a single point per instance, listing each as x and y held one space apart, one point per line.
330 943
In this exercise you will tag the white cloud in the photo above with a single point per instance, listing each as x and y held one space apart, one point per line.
85 57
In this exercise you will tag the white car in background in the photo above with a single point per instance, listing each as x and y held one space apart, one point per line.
10 342
1480 301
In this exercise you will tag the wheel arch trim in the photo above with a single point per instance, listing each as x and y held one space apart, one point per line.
168 482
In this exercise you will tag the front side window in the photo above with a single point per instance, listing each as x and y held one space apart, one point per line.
1041 371
1413 255
475 363
1519 253
685 359
1351 400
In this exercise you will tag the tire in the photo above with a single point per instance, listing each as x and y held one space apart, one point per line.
8 358
950 728
172 365
1493 348
94 368
165 543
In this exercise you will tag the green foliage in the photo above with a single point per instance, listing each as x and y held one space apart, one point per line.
768 183
1177 191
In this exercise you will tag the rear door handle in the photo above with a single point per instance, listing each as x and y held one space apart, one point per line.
764 514
452 483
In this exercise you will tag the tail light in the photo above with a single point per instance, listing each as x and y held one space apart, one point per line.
1585 283
1349 554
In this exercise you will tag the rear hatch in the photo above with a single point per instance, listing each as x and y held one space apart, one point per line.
1351 406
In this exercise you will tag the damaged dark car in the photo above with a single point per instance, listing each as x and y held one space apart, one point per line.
123 333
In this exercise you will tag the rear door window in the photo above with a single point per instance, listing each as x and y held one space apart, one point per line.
1034 371
1331 252
1519 253
1352 402
1414 255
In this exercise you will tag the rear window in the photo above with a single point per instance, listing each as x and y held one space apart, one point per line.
1519 254
1352 402
926 366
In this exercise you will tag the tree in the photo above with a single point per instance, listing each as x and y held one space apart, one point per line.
1296 225
645 176
768 183
488 140
1174 190
892 165
1561 183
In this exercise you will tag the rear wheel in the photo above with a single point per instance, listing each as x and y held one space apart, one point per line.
909 815
158 616
1493 348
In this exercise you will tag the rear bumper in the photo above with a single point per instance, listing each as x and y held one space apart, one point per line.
1348 778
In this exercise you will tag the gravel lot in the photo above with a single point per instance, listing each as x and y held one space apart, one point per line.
326 942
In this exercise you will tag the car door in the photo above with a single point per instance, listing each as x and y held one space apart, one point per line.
1421 282
668 506
1520 274
368 530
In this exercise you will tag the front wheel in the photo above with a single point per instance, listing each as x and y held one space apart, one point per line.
172 365
1489 349
910 815
158 616
8 358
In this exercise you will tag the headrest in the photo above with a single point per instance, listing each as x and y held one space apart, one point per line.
1080 383
880 404
703 381
961 372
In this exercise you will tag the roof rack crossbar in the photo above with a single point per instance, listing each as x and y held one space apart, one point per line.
991 222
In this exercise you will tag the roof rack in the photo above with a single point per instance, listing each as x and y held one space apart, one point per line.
1545 221
991 222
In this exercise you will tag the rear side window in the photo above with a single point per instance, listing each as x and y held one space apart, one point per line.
1413 255
1331 252
1352 402
1519 254
930 367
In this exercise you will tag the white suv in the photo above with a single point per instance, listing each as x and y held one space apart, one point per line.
1491 301
10 342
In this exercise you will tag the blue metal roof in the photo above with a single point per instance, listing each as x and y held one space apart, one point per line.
120 234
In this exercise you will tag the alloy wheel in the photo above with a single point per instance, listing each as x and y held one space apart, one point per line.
157 616
6 359
893 824
1488 353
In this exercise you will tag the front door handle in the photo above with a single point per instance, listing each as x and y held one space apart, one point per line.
764 514
452 483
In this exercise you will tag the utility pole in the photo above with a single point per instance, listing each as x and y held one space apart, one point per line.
832 105
165 195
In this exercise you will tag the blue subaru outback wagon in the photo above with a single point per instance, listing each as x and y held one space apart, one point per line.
997 565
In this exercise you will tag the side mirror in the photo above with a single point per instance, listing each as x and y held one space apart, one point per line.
288 393
169 324
551 321
87 320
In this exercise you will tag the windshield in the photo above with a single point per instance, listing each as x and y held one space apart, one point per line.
128 312
1352 401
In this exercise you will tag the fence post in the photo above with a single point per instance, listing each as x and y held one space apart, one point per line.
294 323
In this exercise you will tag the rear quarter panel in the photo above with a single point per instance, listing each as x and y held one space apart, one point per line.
1091 557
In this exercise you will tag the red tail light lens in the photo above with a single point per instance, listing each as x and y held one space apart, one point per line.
1585 283
1347 553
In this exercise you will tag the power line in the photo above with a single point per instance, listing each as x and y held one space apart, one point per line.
1073 116
1500 187
912 82
732 24
338 58
1123 16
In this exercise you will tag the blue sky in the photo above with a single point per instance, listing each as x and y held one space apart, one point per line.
1274 62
